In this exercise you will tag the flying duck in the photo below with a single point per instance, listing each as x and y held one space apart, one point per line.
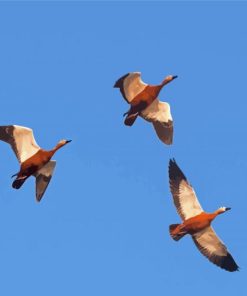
196 222
143 100
34 161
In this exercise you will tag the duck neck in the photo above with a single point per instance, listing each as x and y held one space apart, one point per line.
54 150
165 82
214 215
159 87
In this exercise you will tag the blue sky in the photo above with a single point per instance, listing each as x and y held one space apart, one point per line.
102 226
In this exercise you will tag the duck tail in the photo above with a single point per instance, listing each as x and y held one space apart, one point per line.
19 182
175 232
130 119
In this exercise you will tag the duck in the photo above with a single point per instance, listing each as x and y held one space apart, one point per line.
196 222
34 161
144 102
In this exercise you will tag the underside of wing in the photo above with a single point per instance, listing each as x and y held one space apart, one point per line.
184 196
21 140
43 178
160 115
213 248
130 85
164 131
25 142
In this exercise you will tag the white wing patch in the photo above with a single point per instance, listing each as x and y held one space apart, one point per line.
43 178
213 248
21 140
160 115
184 196
188 201
25 142
133 85
209 241
157 111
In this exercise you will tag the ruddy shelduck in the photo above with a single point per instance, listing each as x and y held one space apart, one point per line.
196 222
34 161
144 102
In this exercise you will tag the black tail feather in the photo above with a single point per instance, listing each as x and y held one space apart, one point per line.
19 182
178 235
130 119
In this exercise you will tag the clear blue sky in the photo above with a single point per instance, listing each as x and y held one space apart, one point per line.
102 226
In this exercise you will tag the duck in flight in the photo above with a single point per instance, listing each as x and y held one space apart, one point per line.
144 102
34 161
196 222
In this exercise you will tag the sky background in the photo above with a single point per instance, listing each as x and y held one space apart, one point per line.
102 226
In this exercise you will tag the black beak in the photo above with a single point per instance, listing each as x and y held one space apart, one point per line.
174 77
227 209
68 141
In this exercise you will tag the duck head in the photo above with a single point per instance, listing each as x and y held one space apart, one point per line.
168 79
61 143
222 210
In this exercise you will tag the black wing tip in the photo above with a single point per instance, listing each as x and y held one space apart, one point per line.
168 141
229 264
174 171
225 262
119 82
172 161
38 198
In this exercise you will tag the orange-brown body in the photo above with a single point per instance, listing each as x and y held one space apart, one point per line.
148 95
192 225
142 101
31 165
35 162
197 223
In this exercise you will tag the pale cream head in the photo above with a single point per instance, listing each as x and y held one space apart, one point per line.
223 210
61 143
168 79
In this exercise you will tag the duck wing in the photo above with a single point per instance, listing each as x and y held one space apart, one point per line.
213 248
160 115
21 140
184 196
43 178
130 85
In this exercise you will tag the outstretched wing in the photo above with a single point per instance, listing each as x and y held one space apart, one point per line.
160 115
184 196
21 140
213 248
130 85
43 178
